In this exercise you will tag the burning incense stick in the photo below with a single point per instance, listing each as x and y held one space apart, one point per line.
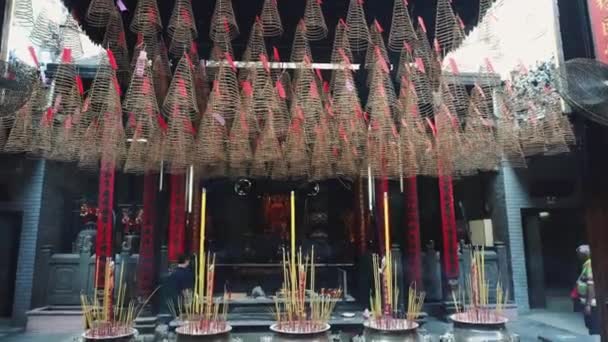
385 295
110 318
298 310
478 309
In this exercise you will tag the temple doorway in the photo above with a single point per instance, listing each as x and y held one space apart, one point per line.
10 230
551 237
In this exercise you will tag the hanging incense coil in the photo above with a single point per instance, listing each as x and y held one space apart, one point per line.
99 13
402 29
146 18
182 38
271 19
223 20
115 40
137 153
296 152
42 141
266 99
268 150
179 141
532 137
458 92
255 50
316 29
162 72
23 14
507 134
483 150
21 134
111 129
358 32
341 49
181 91
552 126
210 147
182 18
239 146
381 87
67 87
300 48
70 37
377 48
321 157
201 84
445 22
45 33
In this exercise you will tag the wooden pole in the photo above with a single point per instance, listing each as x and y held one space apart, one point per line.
201 258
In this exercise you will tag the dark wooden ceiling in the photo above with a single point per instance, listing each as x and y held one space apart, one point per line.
291 12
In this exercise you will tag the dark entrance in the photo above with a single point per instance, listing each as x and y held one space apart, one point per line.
10 230
551 238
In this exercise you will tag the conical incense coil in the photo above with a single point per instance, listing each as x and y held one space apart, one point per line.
445 22
162 73
42 140
269 100
267 150
223 19
181 18
19 139
140 98
381 87
181 91
70 37
23 14
341 51
202 87
210 143
316 29
402 30
99 12
300 48
137 153
115 40
103 87
356 23
239 146
68 89
227 90
320 159
182 39
178 142
111 129
271 19
146 18
457 90
45 33
255 45
296 152
507 134
376 43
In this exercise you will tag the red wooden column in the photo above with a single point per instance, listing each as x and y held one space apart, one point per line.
448 228
177 217
414 248
145 266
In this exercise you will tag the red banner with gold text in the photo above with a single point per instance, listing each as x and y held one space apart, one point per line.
598 14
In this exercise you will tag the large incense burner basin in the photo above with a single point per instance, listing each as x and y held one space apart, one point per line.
219 334
407 332
467 331
321 335
128 337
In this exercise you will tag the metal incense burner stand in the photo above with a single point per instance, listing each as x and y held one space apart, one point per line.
281 335
467 331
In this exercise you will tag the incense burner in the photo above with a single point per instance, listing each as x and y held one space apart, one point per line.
398 330
186 334
127 337
464 330
320 334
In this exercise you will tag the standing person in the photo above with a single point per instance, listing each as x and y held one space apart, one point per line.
586 291
182 277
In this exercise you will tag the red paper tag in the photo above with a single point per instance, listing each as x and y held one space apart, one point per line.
422 25
281 90
49 116
277 57
326 87
460 22
420 65
433 128
162 123
407 47
247 88
231 61
378 27
132 121
344 56
437 46
264 60
112 60
66 57
33 55
117 86
189 127
79 85
182 87
57 103
146 86
342 23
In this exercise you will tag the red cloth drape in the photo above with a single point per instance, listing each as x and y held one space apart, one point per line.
105 217
177 217
414 248
145 266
